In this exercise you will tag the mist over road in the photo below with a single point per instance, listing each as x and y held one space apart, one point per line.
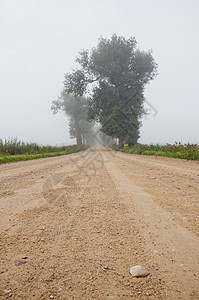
81 221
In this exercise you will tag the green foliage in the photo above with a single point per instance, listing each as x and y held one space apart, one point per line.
12 151
76 108
14 147
118 73
178 150
71 105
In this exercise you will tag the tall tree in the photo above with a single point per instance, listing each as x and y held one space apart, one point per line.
115 73
76 109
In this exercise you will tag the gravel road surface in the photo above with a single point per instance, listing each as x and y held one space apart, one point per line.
71 227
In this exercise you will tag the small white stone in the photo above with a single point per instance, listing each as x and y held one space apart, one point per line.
7 291
174 250
139 271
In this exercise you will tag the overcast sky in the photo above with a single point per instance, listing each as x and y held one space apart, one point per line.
39 40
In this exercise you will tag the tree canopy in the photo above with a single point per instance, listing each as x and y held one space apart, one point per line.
114 74
76 109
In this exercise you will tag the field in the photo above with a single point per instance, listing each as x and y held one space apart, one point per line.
178 150
12 150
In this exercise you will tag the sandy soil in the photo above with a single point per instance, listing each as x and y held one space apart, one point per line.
81 221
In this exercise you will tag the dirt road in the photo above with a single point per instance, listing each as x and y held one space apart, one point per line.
79 222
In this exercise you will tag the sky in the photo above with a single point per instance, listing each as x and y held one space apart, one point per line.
39 40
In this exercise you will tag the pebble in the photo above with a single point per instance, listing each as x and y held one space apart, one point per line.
19 262
51 297
174 250
7 291
139 271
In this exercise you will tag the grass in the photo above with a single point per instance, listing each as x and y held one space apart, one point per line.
13 150
178 150
13 147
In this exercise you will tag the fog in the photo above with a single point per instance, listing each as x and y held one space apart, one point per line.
39 42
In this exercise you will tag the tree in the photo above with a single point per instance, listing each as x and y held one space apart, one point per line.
76 109
116 73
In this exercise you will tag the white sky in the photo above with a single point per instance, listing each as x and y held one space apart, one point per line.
39 40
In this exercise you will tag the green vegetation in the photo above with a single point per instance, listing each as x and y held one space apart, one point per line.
114 74
178 150
12 150
76 109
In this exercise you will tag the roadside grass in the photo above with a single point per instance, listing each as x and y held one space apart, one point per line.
178 150
13 150
12 146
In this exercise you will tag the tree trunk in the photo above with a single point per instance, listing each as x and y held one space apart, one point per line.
83 140
78 133
121 141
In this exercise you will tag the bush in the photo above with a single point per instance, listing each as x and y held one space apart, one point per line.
12 150
178 150
14 147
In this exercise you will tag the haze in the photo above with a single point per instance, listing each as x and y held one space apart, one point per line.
39 42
